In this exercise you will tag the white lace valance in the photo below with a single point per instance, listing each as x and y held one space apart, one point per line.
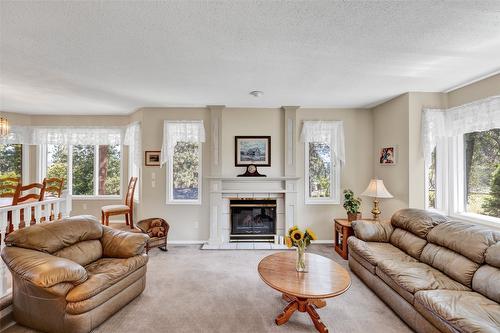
75 135
477 116
133 140
17 135
180 131
331 132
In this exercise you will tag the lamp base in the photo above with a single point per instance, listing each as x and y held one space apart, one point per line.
375 211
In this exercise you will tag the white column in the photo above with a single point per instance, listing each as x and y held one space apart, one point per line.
215 139
290 151
215 212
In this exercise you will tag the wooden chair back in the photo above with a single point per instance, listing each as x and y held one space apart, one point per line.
53 186
8 186
129 198
19 198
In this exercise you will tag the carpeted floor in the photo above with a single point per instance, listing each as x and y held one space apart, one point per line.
190 290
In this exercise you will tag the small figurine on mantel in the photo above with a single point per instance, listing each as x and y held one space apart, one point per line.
251 171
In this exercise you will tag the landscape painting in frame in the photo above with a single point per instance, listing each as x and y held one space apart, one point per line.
252 150
387 155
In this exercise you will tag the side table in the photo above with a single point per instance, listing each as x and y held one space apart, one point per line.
342 230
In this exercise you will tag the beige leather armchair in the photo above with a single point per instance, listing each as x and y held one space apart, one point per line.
73 274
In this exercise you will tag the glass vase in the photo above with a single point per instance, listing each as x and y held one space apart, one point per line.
300 264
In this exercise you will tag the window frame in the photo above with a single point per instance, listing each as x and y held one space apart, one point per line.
42 173
170 181
335 170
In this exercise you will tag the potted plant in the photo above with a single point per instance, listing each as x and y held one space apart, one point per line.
352 205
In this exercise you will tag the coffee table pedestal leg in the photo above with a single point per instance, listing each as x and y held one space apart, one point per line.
302 305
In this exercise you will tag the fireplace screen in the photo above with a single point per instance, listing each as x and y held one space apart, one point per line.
253 217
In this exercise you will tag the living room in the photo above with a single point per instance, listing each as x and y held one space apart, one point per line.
237 127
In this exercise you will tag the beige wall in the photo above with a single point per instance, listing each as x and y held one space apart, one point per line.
475 91
390 128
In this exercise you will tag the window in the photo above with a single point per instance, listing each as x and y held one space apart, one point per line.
88 170
482 172
322 173
11 157
185 173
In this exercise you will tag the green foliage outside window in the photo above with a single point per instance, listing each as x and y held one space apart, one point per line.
319 170
185 167
482 160
11 157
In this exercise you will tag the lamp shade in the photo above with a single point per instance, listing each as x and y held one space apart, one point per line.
376 189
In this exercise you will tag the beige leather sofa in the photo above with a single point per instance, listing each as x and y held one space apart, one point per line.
71 275
437 275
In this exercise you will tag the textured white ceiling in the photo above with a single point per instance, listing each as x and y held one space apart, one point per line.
92 57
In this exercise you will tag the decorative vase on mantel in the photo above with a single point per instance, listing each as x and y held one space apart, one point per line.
301 241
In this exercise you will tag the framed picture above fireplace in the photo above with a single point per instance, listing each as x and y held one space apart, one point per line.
252 150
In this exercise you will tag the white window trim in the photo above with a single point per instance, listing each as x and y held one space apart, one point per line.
170 176
42 173
334 180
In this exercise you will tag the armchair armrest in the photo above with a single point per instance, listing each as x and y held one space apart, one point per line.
372 231
42 269
122 244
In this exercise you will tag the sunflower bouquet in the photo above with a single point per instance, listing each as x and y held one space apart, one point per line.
301 241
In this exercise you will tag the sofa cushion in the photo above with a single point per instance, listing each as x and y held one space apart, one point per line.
451 263
372 231
54 236
492 256
464 311
375 252
487 282
416 276
408 242
82 253
418 222
102 274
469 240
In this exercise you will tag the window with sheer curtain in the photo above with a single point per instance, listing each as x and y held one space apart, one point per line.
461 147
182 151
323 154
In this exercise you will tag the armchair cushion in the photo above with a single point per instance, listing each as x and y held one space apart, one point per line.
372 231
41 269
122 244
104 273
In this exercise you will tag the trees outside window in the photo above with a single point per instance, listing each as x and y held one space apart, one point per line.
185 173
93 170
11 160
431 181
321 173
482 175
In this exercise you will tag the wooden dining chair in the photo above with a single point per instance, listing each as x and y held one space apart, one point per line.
53 187
127 209
35 191
8 186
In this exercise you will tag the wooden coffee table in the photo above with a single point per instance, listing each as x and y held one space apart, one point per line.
304 291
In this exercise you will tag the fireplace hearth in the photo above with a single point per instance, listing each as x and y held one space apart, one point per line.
253 219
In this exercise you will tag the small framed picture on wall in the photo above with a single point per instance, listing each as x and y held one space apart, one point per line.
254 150
152 158
388 155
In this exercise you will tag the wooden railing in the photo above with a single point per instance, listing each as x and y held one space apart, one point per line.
15 217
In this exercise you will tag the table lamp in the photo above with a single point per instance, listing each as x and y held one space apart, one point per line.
376 189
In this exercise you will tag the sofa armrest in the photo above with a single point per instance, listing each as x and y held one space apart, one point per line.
42 269
122 244
372 231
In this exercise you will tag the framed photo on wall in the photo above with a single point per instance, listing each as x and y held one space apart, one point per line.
152 158
387 155
252 150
